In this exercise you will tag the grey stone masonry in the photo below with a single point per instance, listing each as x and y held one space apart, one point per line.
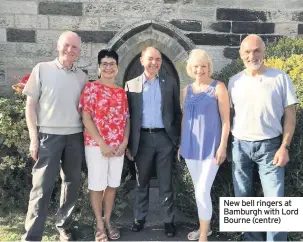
60 8
253 27
215 39
96 36
187 25
29 29
241 15
21 35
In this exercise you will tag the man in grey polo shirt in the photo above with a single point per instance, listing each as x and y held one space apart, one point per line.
53 91
261 97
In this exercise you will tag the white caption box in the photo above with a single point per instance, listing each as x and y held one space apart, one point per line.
248 214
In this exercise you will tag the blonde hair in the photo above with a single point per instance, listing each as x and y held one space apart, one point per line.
199 55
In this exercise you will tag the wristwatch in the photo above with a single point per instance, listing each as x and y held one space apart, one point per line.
286 146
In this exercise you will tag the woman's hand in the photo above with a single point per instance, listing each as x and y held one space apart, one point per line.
120 150
107 151
220 155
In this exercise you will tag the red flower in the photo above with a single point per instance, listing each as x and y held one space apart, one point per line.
19 86
25 78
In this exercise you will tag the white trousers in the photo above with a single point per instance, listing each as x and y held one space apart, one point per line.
103 172
203 174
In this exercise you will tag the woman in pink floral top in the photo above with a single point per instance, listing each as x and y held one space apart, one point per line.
105 116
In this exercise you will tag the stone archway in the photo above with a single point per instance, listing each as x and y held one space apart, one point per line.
130 41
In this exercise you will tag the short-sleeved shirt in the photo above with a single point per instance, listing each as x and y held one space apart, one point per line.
57 91
259 104
108 108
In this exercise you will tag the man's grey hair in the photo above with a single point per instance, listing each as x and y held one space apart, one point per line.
62 36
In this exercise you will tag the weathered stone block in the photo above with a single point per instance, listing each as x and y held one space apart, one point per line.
2 77
215 39
294 4
157 11
2 35
100 9
261 4
224 3
48 36
231 53
253 27
34 50
96 36
6 21
221 26
240 14
196 12
114 23
73 23
286 28
187 25
18 61
60 8
24 7
96 48
31 21
21 35
279 16
297 16
215 52
266 38
300 29
8 49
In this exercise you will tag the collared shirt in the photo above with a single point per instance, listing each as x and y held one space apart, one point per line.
152 100
60 66
57 92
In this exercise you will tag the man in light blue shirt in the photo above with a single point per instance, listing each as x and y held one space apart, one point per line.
152 116
155 117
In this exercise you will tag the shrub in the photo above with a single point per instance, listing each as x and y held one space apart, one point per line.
16 165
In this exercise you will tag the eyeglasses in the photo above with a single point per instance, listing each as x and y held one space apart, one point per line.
110 64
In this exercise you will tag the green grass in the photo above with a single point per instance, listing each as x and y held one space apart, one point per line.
12 228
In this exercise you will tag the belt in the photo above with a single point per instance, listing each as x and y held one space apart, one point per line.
152 130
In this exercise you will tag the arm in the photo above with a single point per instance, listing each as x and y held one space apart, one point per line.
94 133
282 157
31 120
224 109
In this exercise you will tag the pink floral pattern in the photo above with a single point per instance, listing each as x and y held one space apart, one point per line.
108 107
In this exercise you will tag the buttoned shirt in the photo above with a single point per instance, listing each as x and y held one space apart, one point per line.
152 101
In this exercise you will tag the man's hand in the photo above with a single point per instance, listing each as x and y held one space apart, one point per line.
281 157
120 149
33 148
107 151
128 155
220 155
178 154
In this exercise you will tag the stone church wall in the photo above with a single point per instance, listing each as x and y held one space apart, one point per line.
29 29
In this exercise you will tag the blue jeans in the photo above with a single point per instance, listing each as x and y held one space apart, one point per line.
247 154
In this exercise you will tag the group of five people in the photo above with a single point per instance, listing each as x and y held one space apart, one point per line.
144 121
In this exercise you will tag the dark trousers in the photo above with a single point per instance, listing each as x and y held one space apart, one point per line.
54 150
154 149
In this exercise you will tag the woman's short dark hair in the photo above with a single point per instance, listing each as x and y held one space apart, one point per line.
107 54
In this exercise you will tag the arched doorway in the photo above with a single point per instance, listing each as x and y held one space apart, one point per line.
135 69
